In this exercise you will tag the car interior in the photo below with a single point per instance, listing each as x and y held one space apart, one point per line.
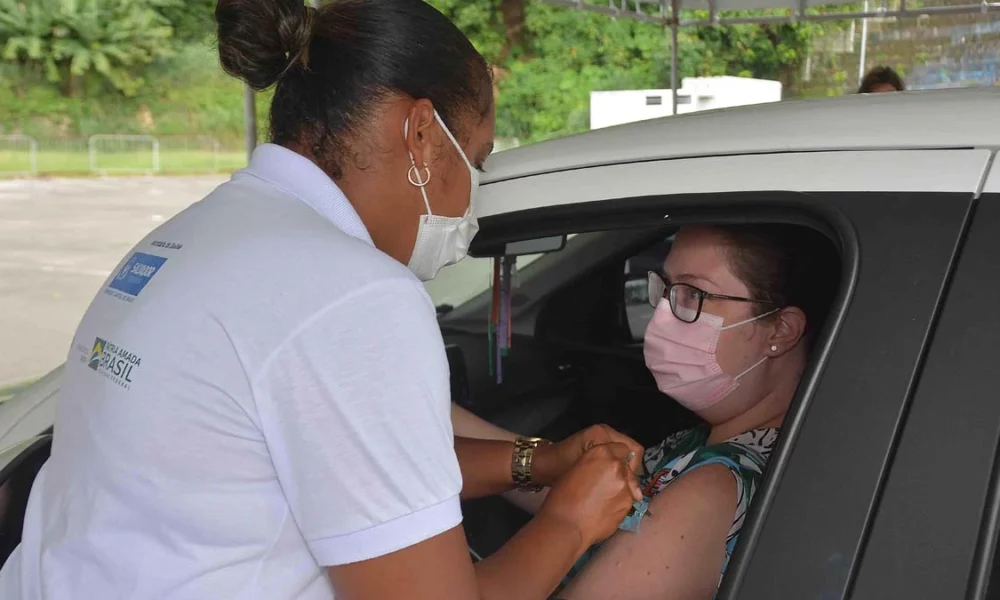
576 359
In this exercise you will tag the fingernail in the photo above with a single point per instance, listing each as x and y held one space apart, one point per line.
630 456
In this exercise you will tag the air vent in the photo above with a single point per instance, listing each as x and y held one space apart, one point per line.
654 100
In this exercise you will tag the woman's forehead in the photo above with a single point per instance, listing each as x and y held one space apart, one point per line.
700 252
696 247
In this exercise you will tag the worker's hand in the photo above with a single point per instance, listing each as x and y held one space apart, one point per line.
596 494
552 462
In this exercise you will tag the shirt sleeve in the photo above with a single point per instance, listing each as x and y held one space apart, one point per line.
355 410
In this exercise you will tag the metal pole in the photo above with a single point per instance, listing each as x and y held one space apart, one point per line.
675 16
250 119
864 46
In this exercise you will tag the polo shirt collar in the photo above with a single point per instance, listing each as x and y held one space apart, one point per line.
298 176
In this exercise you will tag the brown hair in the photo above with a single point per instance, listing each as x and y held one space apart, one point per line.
332 66
787 265
881 75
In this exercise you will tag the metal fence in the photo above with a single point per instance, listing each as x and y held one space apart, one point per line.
113 154
199 153
18 155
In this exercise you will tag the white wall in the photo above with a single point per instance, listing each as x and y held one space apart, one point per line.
608 108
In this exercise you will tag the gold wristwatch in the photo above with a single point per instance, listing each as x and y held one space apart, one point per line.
520 462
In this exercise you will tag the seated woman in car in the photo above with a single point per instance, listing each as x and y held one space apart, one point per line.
737 310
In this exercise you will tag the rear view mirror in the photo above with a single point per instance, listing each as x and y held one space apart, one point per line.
543 245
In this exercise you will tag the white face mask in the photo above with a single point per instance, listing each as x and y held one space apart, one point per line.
441 241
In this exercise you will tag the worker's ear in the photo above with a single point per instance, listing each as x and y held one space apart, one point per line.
417 133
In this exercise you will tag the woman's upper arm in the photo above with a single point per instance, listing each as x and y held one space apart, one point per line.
677 553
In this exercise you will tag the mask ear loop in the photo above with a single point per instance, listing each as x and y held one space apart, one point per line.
413 175
752 367
773 348
750 320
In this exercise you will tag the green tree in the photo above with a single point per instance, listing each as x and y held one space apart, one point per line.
191 20
545 86
68 41
767 51
548 59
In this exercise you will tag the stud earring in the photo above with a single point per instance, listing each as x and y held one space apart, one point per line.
774 348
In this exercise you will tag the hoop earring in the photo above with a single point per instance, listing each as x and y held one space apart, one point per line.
413 175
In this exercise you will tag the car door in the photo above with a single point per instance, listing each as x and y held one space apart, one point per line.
899 218
935 531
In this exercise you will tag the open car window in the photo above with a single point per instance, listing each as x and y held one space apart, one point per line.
463 281
457 284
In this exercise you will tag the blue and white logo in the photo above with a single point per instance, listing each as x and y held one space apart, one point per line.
136 273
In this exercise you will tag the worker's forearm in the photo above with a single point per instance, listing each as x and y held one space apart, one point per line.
532 564
486 466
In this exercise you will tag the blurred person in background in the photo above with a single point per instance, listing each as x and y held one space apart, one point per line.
257 402
881 79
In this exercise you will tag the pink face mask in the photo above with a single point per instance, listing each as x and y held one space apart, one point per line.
682 358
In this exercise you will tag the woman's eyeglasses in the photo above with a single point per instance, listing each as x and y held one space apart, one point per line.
686 301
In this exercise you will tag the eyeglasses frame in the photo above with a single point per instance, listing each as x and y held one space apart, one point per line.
699 293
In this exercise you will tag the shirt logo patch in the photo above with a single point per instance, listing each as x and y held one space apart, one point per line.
135 274
114 362
96 353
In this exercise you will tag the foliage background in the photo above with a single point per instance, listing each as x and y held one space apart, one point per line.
72 68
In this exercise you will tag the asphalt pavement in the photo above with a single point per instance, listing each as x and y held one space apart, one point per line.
59 240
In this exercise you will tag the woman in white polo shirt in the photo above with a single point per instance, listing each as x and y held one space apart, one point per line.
256 404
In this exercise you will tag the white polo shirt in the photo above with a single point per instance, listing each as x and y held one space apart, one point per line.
256 393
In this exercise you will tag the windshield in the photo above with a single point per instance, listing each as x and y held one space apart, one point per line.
463 281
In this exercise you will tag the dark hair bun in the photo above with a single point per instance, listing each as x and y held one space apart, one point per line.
260 39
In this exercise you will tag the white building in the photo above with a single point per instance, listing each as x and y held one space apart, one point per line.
696 94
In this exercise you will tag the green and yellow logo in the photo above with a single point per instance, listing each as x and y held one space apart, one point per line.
113 361
96 354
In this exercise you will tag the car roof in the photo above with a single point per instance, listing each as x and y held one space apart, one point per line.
957 118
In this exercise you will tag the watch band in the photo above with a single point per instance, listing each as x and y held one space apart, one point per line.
520 462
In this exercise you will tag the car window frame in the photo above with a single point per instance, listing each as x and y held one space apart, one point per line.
794 208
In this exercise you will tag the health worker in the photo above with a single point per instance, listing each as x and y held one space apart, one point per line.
256 404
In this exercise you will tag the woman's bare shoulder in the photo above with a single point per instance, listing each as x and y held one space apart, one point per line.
713 484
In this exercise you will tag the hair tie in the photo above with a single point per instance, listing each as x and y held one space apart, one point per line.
302 54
